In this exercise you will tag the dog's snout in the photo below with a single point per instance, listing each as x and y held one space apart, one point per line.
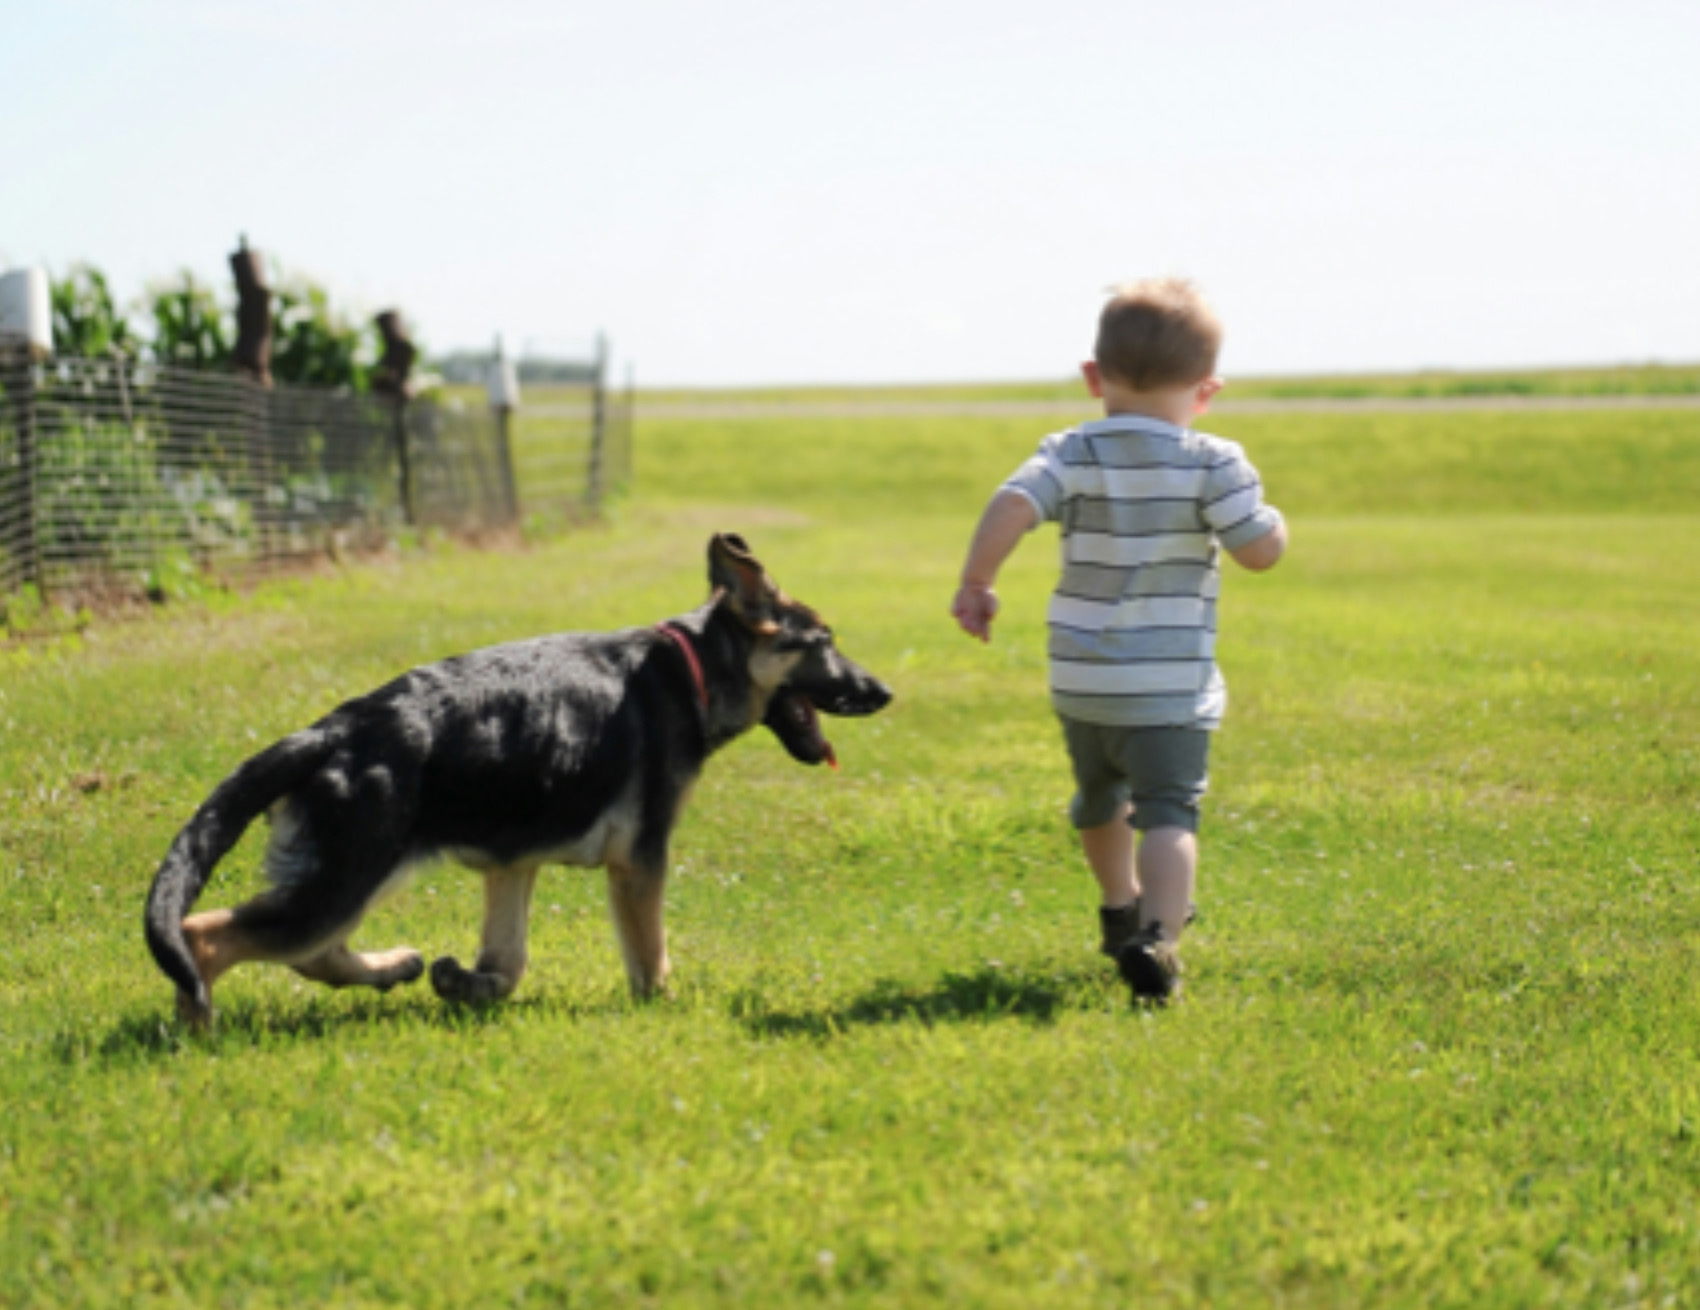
869 696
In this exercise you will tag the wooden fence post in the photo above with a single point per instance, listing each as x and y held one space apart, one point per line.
404 460
390 378
26 339
29 472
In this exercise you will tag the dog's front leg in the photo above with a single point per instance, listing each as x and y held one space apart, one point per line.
502 956
636 896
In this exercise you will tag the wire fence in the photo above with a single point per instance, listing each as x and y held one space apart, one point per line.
115 473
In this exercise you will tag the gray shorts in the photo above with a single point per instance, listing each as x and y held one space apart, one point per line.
1164 772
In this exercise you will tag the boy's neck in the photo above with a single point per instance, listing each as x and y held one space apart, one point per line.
1177 405
1142 407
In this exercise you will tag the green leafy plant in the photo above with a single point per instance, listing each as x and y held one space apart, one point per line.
313 344
190 327
86 318
193 324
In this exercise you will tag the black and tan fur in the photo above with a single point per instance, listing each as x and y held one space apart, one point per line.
578 748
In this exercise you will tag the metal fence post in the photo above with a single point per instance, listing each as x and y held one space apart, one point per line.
502 388
628 421
598 425
505 463
256 423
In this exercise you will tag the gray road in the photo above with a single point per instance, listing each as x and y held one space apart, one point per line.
781 409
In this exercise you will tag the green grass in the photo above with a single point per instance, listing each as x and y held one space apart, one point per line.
1443 384
1439 1042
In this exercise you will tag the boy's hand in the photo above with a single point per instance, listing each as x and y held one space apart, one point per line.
974 609
1009 515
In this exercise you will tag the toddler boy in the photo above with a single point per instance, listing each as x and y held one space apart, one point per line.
1144 503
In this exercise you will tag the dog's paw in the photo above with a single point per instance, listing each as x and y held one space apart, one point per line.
194 1016
410 967
448 979
466 986
646 990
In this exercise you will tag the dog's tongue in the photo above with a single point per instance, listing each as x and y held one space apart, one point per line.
827 753
805 711
793 719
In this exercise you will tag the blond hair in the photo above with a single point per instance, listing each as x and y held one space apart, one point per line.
1157 333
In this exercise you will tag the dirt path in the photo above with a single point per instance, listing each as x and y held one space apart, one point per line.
783 409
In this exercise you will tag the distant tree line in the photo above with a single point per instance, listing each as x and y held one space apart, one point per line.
184 321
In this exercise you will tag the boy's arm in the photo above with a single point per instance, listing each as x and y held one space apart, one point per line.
1249 528
1008 518
1263 552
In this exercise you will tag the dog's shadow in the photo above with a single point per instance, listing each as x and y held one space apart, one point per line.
252 1023
986 994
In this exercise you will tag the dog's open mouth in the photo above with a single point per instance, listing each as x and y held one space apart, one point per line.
791 716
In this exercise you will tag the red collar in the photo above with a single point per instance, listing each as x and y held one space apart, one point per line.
683 642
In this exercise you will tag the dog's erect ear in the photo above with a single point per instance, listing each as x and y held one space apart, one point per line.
750 592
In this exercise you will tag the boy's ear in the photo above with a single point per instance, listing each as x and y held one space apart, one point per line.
733 570
1094 378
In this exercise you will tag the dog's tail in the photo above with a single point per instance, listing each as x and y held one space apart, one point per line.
207 838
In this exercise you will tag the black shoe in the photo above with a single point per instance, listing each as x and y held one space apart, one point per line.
1122 925
1151 965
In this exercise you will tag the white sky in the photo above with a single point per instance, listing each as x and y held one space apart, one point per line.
745 191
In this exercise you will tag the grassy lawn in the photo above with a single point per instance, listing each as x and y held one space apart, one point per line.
1439 1043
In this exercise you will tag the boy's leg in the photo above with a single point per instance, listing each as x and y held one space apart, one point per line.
1155 885
1168 865
1100 812
1109 854
1109 849
1168 868
1167 769
1145 878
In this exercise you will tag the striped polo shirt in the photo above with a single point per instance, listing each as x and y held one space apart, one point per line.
1142 505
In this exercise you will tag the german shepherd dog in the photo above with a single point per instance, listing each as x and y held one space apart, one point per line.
578 748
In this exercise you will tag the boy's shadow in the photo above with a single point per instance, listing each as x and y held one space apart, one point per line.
977 996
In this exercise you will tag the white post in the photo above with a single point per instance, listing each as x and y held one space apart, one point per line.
26 311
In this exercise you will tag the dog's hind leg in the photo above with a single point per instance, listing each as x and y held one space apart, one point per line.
338 843
278 928
219 940
502 955
636 897
338 966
